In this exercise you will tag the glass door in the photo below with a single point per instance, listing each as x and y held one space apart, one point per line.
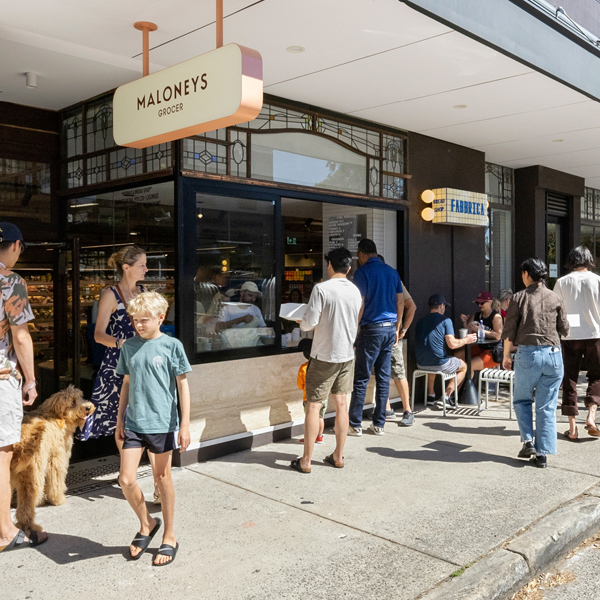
52 287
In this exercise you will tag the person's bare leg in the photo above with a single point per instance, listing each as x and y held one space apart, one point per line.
476 365
573 426
311 430
342 422
7 527
162 474
321 426
130 460
152 459
460 375
402 387
591 418
430 385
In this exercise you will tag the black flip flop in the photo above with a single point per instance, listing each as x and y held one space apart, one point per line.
19 543
166 550
295 464
143 541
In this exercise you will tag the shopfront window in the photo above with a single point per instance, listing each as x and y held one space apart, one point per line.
108 221
311 230
234 285
499 188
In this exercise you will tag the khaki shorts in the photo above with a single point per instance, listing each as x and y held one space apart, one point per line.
324 378
11 411
398 371
321 412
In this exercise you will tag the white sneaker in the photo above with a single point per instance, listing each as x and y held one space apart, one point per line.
355 431
376 430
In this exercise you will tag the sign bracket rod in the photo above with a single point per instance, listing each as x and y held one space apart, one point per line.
219 23
145 27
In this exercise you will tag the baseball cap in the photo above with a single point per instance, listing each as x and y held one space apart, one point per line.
437 299
251 287
484 297
10 233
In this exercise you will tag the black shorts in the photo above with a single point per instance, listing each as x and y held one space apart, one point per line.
158 443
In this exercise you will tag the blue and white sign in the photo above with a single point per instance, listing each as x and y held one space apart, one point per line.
458 207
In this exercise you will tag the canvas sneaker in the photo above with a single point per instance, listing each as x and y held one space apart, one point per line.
407 419
390 414
319 439
355 431
376 430
431 400
449 400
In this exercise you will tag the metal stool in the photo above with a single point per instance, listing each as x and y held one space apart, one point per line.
445 376
496 375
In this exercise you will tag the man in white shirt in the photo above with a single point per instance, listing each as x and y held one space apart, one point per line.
332 313
580 291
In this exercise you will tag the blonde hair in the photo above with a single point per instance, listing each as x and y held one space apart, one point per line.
127 255
150 303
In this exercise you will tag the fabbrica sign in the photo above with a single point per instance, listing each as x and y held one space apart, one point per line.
458 207
218 89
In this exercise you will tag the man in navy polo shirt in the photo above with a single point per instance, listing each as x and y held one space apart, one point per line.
380 319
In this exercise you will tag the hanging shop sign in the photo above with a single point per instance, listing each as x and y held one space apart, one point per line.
218 89
458 207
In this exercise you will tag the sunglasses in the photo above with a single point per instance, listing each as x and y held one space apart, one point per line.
481 303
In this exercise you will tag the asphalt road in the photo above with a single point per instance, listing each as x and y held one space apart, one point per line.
585 565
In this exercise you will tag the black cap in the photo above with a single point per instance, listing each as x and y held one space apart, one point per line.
10 233
437 299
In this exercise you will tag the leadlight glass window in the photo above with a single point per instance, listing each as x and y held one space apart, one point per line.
90 156
272 147
99 125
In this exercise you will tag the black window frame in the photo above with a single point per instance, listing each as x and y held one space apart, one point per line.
188 186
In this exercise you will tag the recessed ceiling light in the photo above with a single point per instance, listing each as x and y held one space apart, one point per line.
557 141
295 49
459 106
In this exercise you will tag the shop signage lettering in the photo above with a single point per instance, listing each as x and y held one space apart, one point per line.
459 207
292 241
218 89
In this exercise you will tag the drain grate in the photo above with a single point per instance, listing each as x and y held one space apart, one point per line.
95 474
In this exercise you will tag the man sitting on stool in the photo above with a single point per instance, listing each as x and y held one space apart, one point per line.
433 333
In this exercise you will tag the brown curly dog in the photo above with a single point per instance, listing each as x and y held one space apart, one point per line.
41 459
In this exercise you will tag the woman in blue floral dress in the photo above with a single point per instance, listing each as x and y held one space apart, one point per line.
113 327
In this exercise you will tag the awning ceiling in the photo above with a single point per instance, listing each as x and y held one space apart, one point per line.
374 59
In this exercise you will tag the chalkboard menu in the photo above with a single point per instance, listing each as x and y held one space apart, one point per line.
346 232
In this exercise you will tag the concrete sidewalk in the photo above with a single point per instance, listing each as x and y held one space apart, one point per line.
409 509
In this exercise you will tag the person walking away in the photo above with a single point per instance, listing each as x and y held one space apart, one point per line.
580 292
398 369
16 390
332 312
535 321
380 321
435 332
305 345
154 367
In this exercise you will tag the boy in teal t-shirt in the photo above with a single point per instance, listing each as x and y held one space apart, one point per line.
154 366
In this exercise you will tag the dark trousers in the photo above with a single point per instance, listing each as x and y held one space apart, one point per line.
573 352
373 349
